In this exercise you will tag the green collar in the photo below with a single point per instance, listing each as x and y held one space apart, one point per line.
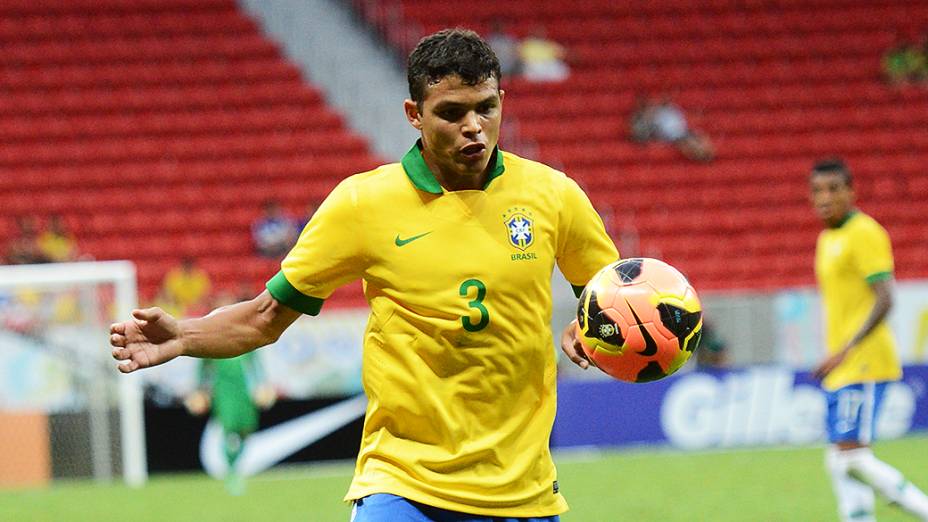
423 179
847 217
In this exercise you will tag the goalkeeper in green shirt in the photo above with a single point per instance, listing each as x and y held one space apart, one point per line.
230 389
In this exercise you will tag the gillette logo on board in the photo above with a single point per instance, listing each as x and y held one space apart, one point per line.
763 406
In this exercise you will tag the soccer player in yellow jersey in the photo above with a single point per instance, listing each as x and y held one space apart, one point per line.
456 245
854 266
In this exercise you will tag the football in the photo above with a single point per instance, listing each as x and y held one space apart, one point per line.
639 319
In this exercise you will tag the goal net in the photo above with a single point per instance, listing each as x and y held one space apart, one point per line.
65 410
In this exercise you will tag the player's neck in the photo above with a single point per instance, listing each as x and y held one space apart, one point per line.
452 181
843 219
457 182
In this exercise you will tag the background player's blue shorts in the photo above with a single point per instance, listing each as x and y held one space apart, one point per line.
852 412
384 507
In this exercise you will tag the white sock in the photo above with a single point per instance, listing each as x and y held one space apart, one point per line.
887 480
856 501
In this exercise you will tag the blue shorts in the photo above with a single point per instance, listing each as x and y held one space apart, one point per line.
384 507
852 412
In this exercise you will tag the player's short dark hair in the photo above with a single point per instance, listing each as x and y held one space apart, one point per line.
833 166
455 51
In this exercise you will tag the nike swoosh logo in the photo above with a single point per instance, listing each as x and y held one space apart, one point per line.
650 345
400 242
271 445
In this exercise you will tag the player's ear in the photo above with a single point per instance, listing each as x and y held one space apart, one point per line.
412 114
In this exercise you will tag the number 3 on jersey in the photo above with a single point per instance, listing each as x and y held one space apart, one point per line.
476 303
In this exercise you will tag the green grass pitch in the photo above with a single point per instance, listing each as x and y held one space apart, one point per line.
764 485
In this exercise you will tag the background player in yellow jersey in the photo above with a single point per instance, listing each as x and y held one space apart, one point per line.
456 245
854 266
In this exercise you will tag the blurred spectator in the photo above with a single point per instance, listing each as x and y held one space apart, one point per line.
543 59
24 249
187 287
506 47
906 63
275 232
923 48
641 123
166 301
664 121
56 243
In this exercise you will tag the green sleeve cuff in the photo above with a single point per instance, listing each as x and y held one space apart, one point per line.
879 276
577 290
284 292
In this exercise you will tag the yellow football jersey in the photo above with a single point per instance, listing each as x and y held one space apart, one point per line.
459 361
847 260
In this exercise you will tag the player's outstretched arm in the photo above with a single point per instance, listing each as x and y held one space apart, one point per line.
153 337
570 345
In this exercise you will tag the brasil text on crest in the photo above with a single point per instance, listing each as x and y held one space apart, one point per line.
520 229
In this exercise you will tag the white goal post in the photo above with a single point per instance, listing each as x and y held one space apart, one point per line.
93 294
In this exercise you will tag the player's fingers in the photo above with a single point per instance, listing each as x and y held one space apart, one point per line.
117 340
121 354
146 314
128 367
570 345
586 359
118 328
575 354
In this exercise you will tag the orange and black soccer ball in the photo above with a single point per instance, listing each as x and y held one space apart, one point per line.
639 319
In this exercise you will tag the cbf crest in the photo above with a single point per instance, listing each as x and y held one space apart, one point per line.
520 224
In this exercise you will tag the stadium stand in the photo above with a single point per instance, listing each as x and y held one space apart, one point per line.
776 85
157 128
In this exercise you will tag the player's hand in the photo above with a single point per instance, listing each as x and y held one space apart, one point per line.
152 337
265 397
571 346
829 364
197 403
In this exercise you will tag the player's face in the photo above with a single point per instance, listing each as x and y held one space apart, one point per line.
831 197
460 127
